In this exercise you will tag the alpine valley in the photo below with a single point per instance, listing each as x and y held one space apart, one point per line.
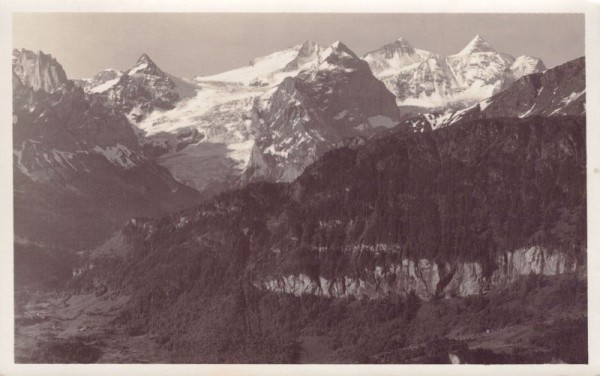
314 206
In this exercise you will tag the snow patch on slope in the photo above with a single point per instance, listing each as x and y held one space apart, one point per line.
137 69
271 69
381 121
527 113
105 86
571 97
118 155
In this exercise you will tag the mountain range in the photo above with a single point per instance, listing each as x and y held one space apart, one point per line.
396 207
424 79
222 130
267 121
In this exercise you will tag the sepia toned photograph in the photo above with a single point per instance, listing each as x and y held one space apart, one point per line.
299 188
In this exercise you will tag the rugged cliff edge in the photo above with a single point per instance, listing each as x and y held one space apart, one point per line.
429 279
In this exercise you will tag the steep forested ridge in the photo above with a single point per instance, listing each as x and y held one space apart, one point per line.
466 192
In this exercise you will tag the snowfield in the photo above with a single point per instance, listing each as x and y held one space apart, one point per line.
220 112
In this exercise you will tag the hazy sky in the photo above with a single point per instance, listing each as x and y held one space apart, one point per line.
191 44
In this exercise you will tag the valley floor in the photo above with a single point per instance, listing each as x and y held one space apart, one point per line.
78 329
539 320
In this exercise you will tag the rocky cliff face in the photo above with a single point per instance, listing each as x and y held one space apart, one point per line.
429 279
306 115
39 71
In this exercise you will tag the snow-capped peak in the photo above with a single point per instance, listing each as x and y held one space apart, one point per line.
477 44
338 50
393 57
145 65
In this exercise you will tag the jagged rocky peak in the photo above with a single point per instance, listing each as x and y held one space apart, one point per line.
145 65
400 47
144 58
392 57
476 45
39 71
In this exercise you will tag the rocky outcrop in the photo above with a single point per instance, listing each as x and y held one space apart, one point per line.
39 71
429 279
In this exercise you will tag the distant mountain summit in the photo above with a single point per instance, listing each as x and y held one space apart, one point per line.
424 79
386 61
476 45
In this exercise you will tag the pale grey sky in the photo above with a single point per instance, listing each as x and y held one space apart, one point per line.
189 44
